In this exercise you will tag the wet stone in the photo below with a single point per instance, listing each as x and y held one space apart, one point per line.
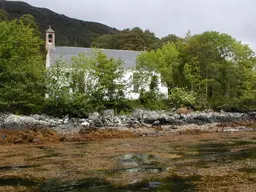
154 184
134 163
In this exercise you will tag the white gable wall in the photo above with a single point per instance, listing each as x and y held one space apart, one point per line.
127 79
129 92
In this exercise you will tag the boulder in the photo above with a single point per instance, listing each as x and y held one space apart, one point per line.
94 116
156 123
96 123
108 113
22 122
85 124
138 114
150 116
108 118
2 119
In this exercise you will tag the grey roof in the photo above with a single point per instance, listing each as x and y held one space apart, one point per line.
50 30
66 53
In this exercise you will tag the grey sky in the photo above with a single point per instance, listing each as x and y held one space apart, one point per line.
163 17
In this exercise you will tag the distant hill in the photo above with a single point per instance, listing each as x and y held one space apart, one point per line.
69 32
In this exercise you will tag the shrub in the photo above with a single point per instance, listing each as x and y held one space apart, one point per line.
180 97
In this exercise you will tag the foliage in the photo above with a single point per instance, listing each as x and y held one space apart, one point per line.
129 39
21 68
219 68
152 99
108 73
87 84
29 21
133 39
163 61
180 97
3 15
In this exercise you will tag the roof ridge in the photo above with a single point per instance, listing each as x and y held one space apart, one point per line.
98 49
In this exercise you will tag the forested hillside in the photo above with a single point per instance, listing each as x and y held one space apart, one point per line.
77 33
133 39
71 32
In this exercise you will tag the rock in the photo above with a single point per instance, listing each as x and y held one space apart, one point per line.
156 123
117 122
37 117
154 184
95 120
66 119
150 116
97 123
138 114
133 124
94 116
163 118
2 119
109 113
140 122
21 122
108 118
252 116
85 124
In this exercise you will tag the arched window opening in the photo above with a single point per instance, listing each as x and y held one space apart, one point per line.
50 38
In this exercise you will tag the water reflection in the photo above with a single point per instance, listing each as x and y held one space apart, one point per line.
138 162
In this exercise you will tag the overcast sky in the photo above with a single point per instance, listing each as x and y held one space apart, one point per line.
163 17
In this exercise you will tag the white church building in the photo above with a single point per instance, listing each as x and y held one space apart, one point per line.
54 53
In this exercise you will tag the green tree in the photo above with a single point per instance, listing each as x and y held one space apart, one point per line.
29 21
170 39
217 65
105 41
163 61
129 39
21 68
108 74
88 83
3 15
180 97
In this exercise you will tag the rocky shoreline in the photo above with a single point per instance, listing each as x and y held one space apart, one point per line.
43 129
139 122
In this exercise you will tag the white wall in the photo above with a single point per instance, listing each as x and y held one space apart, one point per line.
127 80
129 92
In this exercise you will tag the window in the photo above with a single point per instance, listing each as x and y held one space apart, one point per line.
50 38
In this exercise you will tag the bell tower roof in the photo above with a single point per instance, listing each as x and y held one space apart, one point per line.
50 39
50 30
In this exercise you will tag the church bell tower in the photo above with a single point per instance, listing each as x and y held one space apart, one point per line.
50 39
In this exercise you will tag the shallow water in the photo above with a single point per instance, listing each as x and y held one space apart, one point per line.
159 166
95 185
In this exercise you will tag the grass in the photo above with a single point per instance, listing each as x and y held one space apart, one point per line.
213 157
